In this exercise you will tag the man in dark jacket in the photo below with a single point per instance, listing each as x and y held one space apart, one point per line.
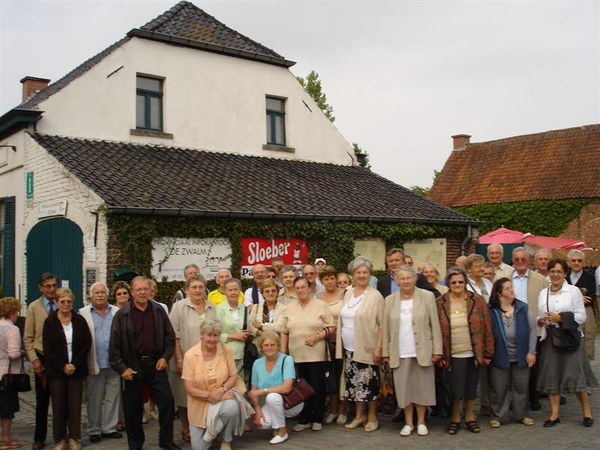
386 285
142 342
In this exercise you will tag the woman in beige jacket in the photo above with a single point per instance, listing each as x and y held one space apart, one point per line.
412 344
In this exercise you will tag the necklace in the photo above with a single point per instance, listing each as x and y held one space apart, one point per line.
357 301
457 306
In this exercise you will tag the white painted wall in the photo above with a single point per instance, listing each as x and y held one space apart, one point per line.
211 102
53 182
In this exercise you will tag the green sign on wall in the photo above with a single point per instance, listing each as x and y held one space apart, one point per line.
29 185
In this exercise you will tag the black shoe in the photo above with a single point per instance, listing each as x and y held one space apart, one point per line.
113 435
172 446
588 422
550 423
535 406
398 417
95 438
563 400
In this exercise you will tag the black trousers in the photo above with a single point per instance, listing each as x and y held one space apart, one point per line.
133 408
534 395
42 402
314 409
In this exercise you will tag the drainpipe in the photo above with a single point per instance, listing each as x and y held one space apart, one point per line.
463 244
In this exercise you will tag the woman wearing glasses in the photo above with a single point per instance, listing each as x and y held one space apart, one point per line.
67 342
468 343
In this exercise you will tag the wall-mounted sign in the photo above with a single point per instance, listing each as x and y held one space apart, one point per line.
260 251
170 256
57 208
29 185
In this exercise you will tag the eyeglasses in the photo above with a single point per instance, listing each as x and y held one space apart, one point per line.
576 260
65 302
49 286
520 259
457 282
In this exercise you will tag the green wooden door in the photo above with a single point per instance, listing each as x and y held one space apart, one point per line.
55 245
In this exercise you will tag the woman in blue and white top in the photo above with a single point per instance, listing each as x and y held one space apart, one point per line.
272 375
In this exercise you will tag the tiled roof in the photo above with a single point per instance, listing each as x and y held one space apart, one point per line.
147 179
183 24
558 164
186 24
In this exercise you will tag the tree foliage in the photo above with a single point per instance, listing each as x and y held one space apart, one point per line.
362 156
312 85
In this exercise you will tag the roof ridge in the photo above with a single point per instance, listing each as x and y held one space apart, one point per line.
536 134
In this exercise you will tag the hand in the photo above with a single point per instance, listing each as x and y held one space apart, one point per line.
179 364
216 395
161 364
38 367
442 363
256 324
386 360
69 369
436 358
254 395
377 355
258 417
243 336
128 374
530 360
587 300
312 340
487 361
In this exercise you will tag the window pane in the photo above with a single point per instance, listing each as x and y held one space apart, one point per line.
155 110
140 111
149 84
279 136
275 104
269 129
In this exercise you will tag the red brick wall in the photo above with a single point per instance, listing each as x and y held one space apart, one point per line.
586 227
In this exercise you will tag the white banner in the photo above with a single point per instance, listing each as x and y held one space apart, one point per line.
170 255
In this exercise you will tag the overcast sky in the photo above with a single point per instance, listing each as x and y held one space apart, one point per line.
402 77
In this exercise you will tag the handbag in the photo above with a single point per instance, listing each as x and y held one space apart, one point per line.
387 401
331 379
250 348
557 336
301 391
16 382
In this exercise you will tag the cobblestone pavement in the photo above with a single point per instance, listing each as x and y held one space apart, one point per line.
570 434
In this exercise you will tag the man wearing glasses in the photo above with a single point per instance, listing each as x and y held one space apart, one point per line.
37 312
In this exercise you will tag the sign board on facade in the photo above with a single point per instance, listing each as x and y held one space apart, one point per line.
428 250
293 251
170 256
29 185
373 250
57 208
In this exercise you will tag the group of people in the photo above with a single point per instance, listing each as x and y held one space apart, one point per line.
445 341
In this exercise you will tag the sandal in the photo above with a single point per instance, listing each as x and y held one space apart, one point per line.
10 444
371 426
453 428
473 426
185 435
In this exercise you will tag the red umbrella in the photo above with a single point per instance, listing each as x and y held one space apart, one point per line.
553 243
503 236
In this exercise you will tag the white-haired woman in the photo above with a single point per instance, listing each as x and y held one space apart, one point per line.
359 342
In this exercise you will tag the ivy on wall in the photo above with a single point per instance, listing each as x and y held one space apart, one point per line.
543 218
331 239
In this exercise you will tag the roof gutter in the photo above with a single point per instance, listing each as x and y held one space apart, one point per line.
166 38
16 119
178 212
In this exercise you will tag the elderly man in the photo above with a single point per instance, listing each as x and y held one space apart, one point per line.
218 296
528 285
586 282
252 296
102 386
540 260
310 273
460 261
141 344
37 312
387 285
188 271
495 253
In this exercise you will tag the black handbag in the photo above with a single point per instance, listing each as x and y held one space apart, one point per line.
250 348
331 378
558 336
16 382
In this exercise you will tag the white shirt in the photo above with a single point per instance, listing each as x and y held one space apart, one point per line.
406 336
248 297
474 287
347 314
598 281
68 329
569 299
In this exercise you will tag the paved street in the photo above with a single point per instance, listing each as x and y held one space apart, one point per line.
570 434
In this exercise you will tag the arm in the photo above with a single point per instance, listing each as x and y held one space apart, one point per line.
255 320
578 306
13 347
169 339
531 357
488 343
436 332
386 338
82 345
118 339
379 321
28 339
285 337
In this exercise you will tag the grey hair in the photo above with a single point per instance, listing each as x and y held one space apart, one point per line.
285 269
542 250
269 334
233 280
472 259
433 266
358 262
405 268
519 249
210 326
98 283
496 245
575 252
195 266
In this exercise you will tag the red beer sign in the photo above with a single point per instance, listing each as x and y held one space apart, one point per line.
260 251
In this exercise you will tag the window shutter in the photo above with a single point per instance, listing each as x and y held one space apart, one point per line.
9 247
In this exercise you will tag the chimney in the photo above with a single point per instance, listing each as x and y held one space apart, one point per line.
32 85
460 141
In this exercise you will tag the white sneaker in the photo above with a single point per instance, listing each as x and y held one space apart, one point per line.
301 426
342 419
406 430
277 439
316 426
422 430
329 418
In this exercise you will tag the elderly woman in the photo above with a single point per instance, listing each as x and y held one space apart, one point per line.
287 293
268 314
561 305
476 281
333 296
359 342
344 280
272 376
231 314
468 344
67 342
121 293
186 317
210 375
304 334
412 344
10 361
432 275
515 338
